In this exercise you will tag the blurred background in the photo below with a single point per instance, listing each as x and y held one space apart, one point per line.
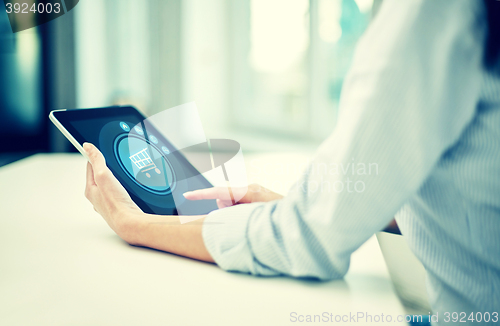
267 73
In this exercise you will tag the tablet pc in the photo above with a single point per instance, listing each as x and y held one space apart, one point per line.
152 170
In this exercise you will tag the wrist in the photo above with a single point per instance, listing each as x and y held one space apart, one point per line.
128 226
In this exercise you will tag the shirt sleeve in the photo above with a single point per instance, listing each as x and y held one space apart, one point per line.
411 91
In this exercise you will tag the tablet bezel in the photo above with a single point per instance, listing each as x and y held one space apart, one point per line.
62 120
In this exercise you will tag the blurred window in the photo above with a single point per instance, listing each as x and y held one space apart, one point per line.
22 115
290 59
275 66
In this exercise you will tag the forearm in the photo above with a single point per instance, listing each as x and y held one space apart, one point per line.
167 234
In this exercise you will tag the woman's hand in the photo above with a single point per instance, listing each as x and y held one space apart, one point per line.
255 193
112 201
108 196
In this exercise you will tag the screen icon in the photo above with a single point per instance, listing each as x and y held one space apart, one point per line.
143 162
153 139
165 150
124 126
139 130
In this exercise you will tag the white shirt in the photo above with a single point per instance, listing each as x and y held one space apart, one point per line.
420 107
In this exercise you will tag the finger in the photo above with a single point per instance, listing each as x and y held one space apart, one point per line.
95 156
209 193
90 175
98 162
90 183
223 203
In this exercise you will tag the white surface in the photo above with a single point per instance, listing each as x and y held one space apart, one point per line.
60 264
406 271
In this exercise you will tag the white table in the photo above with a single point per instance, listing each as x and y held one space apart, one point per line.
60 264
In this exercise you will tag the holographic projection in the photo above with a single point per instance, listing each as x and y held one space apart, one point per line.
168 154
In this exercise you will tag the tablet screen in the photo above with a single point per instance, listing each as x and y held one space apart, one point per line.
152 170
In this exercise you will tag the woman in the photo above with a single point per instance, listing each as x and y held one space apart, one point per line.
422 102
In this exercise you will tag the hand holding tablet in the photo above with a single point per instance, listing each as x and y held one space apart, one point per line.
151 170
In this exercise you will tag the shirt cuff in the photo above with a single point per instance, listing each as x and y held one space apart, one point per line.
225 236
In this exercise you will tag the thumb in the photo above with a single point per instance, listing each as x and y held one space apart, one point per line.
97 161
